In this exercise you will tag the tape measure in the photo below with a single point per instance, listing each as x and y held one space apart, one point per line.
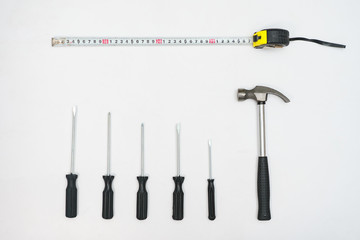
273 38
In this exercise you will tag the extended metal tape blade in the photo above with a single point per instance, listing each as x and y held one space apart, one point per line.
148 41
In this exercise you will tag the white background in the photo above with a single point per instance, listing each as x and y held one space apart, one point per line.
312 141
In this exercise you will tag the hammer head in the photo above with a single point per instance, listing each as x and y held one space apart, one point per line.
259 94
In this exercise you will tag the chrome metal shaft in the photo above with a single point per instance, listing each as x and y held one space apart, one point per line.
73 139
178 148
142 149
262 139
108 144
210 160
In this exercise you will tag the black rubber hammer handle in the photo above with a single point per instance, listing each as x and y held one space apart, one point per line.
263 185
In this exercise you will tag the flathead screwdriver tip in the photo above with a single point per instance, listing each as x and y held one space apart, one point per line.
74 110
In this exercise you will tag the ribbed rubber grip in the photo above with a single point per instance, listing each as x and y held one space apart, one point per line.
142 199
108 198
178 199
263 185
211 199
71 196
277 37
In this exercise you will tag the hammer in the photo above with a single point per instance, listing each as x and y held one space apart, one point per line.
260 94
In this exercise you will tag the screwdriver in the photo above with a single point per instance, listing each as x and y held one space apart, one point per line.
211 187
71 191
178 194
108 194
142 196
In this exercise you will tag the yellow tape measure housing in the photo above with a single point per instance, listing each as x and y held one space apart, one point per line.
274 38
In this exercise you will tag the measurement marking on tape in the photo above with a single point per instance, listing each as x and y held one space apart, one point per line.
166 41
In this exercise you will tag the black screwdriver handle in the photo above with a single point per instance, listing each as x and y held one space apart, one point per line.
211 199
263 185
142 199
178 199
71 196
108 198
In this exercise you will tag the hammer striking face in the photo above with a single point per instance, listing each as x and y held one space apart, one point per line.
260 94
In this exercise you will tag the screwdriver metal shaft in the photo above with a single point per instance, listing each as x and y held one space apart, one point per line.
71 190
211 187
73 138
108 194
142 149
178 194
142 195
108 144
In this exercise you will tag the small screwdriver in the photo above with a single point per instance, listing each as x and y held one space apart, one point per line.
178 194
142 195
211 187
71 191
108 194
